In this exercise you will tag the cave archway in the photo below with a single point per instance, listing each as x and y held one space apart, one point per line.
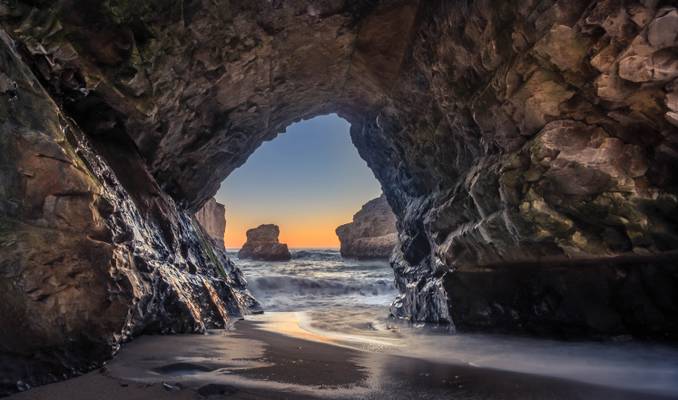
308 181
502 135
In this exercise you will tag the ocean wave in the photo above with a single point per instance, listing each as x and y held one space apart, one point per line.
324 255
372 268
268 286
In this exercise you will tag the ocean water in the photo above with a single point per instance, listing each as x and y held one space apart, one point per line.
319 279
346 302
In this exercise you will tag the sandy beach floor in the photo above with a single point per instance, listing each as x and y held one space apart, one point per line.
272 357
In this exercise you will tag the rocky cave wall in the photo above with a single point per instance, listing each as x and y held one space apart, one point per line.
91 255
522 138
510 139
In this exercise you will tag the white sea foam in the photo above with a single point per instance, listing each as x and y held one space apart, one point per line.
318 278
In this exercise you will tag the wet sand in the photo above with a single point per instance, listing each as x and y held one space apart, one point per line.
255 362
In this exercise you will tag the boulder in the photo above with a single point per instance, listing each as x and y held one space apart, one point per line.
262 244
372 234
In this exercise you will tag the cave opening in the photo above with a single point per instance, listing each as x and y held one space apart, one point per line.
309 181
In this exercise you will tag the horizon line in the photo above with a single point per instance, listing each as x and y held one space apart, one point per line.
294 248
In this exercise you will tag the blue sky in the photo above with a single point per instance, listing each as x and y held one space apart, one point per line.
308 180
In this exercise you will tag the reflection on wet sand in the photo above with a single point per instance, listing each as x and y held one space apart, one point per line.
250 357
284 356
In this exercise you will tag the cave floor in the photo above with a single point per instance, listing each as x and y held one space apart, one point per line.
257 361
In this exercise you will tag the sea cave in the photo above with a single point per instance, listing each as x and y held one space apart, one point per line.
527 149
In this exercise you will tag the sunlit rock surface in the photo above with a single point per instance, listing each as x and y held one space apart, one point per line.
372 234
212 218
512 140
263 244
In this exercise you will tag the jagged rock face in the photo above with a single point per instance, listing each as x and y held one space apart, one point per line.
372 234
212 218
85 262
197 87
263 244
503 133
530 141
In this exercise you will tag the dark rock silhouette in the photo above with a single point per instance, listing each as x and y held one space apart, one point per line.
262 244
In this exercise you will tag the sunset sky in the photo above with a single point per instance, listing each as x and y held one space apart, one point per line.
308 181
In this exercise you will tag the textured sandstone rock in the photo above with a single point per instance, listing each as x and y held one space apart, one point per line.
503 134
262 244
211 217
372 234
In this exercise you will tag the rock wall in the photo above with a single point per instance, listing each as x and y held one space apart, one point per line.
263 244
506 135
520 135
372 234
85 263
212 218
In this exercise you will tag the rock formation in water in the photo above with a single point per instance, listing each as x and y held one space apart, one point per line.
522 146
262 244
212 218
372 234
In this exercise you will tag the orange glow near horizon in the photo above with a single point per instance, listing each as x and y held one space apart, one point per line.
308 181
311 232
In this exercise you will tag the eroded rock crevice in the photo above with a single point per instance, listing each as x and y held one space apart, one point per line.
503 134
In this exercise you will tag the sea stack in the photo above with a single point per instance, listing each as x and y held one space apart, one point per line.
212 218
262 244
372 234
